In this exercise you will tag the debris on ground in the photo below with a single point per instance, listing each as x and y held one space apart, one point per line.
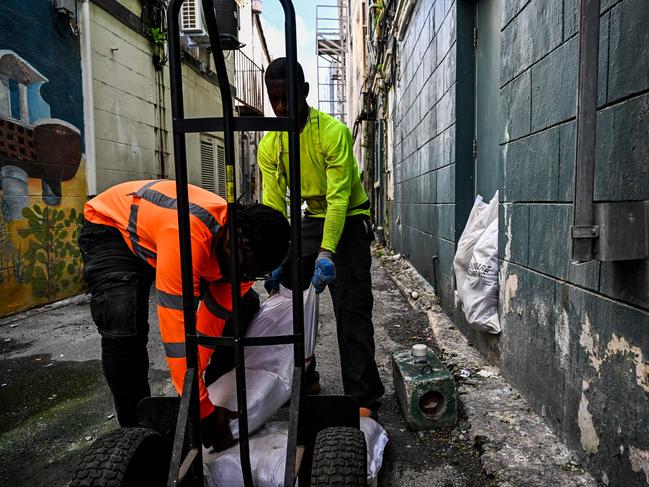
486 373
516 446
464 373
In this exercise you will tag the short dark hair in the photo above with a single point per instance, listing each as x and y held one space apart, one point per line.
268 232
278 70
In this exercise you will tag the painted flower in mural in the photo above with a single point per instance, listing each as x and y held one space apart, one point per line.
32 145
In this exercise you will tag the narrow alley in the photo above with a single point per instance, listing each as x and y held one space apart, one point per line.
473 173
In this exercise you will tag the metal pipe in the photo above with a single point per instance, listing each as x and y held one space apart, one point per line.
186 268
584 230
88 99
228 137
296 235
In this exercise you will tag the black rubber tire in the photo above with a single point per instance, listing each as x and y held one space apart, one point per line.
339 458
126 457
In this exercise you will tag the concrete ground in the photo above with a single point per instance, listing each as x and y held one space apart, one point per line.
54 401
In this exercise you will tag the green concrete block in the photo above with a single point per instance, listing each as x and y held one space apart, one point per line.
622 151
532 34
554 85
445 225
570 18
567 154
445 275
446 184
585 274
516 104
513 237
425 389
626 281
531 167
629 49
549 239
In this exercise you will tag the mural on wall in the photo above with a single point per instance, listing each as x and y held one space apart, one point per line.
43 191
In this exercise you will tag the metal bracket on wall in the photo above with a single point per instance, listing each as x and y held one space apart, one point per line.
623 230
587 231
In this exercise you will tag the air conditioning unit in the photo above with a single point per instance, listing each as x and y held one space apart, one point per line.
65 7
192 23
191 19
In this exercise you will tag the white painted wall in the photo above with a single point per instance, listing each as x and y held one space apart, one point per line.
125 98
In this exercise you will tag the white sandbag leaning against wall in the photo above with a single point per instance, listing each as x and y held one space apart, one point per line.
476 267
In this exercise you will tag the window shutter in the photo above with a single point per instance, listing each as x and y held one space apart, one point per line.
220 170
207 164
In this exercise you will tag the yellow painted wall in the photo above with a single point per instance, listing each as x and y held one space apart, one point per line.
39 257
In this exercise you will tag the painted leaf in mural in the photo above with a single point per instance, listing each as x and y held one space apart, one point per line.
50 244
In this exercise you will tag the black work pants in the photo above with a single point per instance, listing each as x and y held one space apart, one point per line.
352 297
120 283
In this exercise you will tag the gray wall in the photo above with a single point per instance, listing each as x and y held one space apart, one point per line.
575 338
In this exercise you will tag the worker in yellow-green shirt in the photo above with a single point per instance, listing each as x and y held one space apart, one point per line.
336 230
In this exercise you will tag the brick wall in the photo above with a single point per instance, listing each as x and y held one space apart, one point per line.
586 327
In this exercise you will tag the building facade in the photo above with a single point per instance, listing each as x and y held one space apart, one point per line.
84 105
252 99
476 97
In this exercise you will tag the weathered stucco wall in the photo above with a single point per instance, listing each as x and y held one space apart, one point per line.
41 161
124 86
133 105
423 214
575 337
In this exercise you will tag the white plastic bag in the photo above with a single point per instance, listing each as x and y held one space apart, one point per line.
476 266
269 369
472 231
268 456
480 288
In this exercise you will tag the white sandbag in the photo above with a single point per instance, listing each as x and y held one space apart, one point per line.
480 288
267 459
375 438
472 231
268 456
269 369
482 214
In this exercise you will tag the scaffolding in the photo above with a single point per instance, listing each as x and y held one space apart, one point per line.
331 43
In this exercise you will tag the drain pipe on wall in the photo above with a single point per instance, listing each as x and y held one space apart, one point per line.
88 99
584 230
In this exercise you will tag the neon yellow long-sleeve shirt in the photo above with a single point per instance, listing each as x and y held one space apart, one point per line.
331 184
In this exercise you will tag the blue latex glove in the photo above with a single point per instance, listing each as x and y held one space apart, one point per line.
272 284
325 271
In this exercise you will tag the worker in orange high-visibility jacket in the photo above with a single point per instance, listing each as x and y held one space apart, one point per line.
129 240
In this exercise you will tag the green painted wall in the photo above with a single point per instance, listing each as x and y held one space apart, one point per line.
586 327
424 208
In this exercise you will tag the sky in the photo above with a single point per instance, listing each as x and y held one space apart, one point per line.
272 18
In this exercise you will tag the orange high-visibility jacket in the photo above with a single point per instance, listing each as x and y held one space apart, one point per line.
145 213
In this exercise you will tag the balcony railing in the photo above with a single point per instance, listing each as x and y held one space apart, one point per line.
249 80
